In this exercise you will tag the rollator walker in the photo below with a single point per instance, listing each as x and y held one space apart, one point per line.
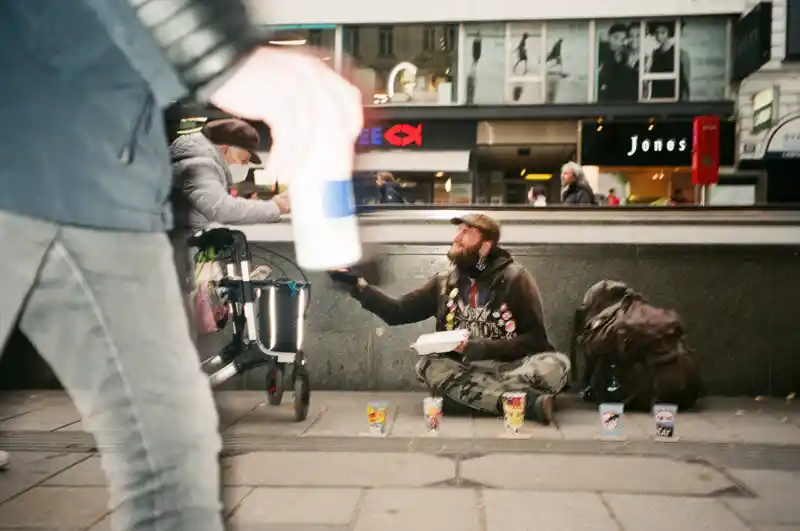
268 319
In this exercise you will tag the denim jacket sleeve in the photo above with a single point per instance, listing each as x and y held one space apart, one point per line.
179 46
176 46
203 40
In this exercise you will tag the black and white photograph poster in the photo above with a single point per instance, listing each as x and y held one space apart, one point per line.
524 68
705 41
567 62
485 73
663 78
617 60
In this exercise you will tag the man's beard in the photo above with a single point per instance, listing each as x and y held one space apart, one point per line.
465 259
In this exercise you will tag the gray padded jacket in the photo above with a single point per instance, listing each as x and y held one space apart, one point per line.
201 180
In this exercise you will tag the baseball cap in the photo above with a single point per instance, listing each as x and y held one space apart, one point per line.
488 226
234 132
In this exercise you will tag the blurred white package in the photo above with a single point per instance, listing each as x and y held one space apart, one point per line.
439 342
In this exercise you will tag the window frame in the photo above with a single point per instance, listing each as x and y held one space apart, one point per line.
385 41
542 74
429 38
646 78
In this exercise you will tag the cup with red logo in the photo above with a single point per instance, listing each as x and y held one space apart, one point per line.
514 412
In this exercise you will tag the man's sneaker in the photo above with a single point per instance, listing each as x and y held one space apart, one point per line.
3 460
546 406
456 409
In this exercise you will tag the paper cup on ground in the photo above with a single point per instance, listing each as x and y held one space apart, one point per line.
432 407
513 412
376 416
665 416
611 420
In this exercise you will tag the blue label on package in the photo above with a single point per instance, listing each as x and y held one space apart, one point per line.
338 199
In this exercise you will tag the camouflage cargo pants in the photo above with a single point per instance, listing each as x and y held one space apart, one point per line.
479 385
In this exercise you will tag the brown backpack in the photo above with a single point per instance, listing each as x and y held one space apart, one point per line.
638 349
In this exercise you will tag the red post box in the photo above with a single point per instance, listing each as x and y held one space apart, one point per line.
705 150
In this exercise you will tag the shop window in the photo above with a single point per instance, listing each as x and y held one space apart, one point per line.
386 41
351 43
708 62
429 38
527 62
661 59
450 38
408 64
315 37
416 188
322 39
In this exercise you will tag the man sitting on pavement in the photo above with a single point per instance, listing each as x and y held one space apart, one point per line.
497 300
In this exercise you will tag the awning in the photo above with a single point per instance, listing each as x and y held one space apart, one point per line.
421 161
783 142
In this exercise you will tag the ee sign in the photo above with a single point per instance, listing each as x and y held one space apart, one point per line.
395 136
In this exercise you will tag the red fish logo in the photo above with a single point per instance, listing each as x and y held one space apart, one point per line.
402 135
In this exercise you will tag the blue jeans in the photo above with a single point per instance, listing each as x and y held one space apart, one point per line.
104 310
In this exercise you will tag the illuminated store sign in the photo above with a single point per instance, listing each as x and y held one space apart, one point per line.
397 135
417 135
646 143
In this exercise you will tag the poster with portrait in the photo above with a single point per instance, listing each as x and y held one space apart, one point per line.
567 62
484 75
523 62
705 67
660 78
617 60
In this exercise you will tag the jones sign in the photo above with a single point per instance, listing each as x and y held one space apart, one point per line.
647 145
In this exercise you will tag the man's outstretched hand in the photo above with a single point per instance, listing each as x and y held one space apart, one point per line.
347 277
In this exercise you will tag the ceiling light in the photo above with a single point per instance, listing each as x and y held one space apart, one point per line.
440 174
289 42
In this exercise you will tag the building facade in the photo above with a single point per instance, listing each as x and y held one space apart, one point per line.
477 102
768 99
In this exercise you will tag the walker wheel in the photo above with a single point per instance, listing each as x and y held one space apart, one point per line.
275 385
302 397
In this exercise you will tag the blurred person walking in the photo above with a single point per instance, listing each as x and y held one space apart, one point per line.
88 272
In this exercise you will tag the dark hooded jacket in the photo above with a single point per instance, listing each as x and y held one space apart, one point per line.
506 322
390 194
578 192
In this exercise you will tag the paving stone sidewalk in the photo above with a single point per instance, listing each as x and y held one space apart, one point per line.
343 415
534 487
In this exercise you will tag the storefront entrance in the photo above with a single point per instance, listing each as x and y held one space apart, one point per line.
647 162
507 174
515 159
